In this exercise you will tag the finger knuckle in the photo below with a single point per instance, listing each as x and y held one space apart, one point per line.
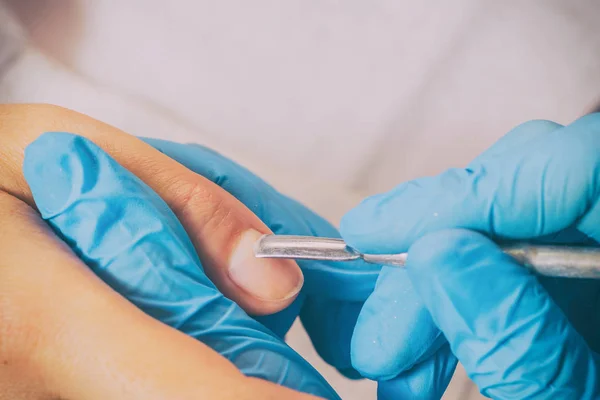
209 208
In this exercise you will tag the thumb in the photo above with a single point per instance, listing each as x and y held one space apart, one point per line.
511 337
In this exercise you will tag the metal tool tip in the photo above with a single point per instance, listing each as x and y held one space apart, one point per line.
303 248
259 246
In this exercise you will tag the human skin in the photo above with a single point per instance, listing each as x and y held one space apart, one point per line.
214 220
52 347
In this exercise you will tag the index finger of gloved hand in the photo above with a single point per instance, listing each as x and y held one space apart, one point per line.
137 245
537 180
354 280
222 229
512 339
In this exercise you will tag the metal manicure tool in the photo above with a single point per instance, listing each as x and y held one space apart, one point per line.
549 260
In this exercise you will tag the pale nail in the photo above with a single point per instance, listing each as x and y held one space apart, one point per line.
263 278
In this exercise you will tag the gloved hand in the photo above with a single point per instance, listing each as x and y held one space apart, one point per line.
66 334
131 239
518 335
212 219
328 316
168 281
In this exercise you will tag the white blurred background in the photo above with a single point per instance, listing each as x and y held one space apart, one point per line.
329 100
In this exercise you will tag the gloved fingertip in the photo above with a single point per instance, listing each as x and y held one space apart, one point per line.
591 120
54 165
381 360
394 330
426 380
537 125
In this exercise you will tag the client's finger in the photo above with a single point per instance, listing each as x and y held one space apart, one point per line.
65 334
131 239
329 316
222 229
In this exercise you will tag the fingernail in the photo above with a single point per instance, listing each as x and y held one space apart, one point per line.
264 278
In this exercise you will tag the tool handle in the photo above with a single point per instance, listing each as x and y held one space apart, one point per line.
558 261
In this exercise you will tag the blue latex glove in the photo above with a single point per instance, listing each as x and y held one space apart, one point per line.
518 335
130 238
329 316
